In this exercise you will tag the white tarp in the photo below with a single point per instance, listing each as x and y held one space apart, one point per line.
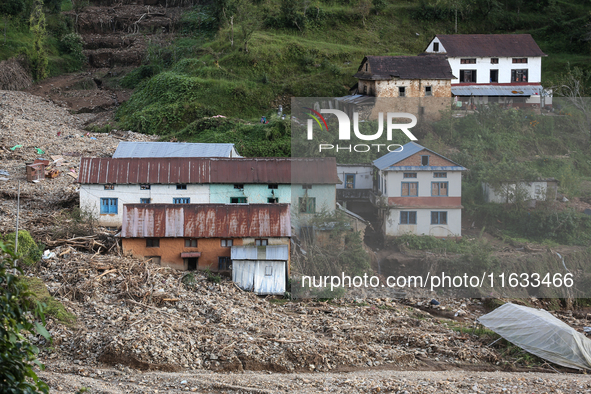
540 333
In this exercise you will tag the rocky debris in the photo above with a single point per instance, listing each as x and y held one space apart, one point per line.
13 76
139 314
30 128
400 382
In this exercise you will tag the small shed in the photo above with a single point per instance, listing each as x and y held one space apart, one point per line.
36 170
260 269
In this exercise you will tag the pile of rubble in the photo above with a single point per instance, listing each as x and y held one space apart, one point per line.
34 128
140 314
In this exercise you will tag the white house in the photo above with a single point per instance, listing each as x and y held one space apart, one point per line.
541 190
419 192
501 68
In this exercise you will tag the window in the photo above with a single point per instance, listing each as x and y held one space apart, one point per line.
154 259
520 60
350 181
261 242
435 47
269 270
408 217
152 242
145 200
366 64
237 200
238 186
273 200
190 243
467 75
273 186
410 189
518 75
144 187
428 91
494 76
108 205
307 204
438 217
440 174
468 61
439 188
494 60
109 187
410 175
224 263
226 243
181 200
425 160
307 187
181 187
401 91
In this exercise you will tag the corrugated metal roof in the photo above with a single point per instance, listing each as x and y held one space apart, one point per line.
173 149
270 252
404 67
490 45
493 90
408 150
208 170
206 220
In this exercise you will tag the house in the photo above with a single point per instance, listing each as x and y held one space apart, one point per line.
201 236
404 76
509 192
418 192
262 270
487 68
309 184
173 149
355 187
420 85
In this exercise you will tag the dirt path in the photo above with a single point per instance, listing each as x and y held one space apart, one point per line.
372 381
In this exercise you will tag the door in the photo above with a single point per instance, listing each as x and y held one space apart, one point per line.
192 263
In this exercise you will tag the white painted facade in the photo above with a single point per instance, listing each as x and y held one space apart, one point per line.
453 228
362 176
392 181
91 195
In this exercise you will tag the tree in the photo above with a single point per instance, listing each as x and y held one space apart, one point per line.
38 58
248 20
10 8
17 318
575 87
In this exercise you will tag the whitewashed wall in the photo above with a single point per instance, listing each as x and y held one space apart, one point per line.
453 228
90 196
394 181
363 176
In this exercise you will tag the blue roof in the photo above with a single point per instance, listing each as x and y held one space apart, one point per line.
407 151
173 149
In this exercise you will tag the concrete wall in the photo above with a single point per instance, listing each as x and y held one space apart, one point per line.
392 226
363 175
90 196
394 181
255 193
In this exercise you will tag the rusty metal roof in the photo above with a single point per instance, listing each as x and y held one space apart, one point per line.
404 67
208 170
206 220
490 45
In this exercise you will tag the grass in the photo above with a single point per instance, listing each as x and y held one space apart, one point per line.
54 308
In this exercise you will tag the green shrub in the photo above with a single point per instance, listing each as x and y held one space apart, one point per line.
72 44
53 307
28 250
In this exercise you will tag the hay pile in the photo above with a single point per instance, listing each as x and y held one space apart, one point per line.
13 75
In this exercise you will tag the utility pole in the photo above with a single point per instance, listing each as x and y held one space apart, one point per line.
18 210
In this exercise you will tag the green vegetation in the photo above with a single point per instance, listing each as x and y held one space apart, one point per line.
19 316
29 253
53 307
211 277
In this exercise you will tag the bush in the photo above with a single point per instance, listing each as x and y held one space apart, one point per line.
72 44
19 315
28 251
